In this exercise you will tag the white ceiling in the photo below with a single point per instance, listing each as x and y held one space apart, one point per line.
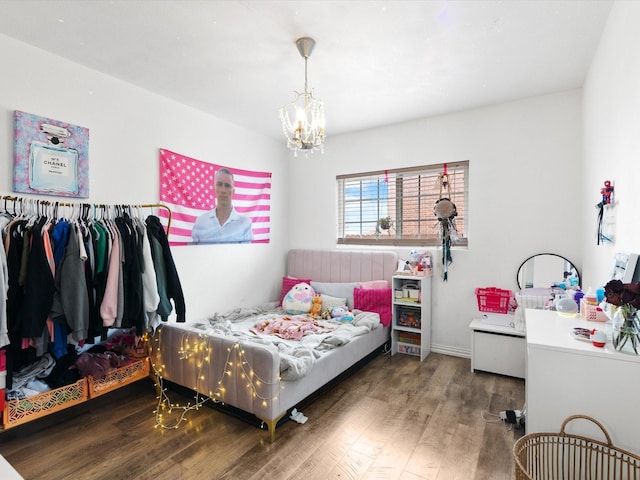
375 62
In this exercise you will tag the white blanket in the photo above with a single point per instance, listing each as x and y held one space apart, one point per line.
296 357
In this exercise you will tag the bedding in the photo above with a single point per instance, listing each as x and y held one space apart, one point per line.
300 340
265 362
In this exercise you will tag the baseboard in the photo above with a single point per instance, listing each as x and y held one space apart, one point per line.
449 350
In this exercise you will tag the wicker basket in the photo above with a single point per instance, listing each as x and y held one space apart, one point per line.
555 456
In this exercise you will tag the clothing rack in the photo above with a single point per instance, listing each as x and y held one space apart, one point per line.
81 206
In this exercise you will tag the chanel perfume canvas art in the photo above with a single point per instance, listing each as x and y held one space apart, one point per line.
50 157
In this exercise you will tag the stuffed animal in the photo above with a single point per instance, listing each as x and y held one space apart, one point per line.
299 299
316 307
342 314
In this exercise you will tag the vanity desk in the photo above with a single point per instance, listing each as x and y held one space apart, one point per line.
566 376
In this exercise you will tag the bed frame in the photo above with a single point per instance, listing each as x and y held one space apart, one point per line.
246 376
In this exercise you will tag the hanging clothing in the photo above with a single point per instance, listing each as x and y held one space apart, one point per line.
75 277
4 288
109 304
151 299
133 314
173 287
39 286
70 304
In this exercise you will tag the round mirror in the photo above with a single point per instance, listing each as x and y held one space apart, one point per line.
545 270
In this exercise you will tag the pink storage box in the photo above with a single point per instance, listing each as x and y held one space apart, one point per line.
593 313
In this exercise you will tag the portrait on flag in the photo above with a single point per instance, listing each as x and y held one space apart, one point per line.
213 203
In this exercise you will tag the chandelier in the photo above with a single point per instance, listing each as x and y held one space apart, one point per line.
303 119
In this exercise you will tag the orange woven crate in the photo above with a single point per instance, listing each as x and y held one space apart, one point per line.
118 377
17 412
493 300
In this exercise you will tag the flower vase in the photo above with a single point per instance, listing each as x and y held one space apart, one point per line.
626 330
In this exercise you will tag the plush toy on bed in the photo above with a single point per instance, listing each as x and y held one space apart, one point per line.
316 307
299 299
342 314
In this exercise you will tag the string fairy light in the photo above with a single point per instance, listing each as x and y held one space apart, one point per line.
199 353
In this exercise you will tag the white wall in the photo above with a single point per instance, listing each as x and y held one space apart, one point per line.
612 139
127 127
525 161
525 177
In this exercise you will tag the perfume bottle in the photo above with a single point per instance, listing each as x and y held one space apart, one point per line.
53 167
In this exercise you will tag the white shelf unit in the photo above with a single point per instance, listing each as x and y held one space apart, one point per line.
411 323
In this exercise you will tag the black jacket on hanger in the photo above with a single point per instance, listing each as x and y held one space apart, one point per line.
39 286
173 285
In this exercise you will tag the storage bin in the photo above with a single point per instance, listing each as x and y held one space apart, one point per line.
17 412
118 377
556 456
409 318
409 349
592 313
3 360
411 291
493 300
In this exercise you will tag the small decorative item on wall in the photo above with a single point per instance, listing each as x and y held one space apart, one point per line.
50 157
606 219
446 212
212 203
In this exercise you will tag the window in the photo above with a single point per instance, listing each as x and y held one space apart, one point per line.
395 207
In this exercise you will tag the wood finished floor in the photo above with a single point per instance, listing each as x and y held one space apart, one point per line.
395 418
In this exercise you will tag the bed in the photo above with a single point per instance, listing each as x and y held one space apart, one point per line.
253 376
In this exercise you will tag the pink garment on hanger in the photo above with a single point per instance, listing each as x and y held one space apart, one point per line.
48 251
109 305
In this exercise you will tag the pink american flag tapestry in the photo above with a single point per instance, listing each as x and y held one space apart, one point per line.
187 188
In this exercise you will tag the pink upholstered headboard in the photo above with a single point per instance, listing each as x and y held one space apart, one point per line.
341 265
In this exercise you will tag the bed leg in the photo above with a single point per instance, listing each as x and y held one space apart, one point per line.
271 426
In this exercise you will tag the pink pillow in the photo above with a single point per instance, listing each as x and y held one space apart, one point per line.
288 283
374 284
374 300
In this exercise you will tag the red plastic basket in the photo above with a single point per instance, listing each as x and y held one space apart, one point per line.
494 300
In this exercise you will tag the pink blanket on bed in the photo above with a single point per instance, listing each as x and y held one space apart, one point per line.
290 327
